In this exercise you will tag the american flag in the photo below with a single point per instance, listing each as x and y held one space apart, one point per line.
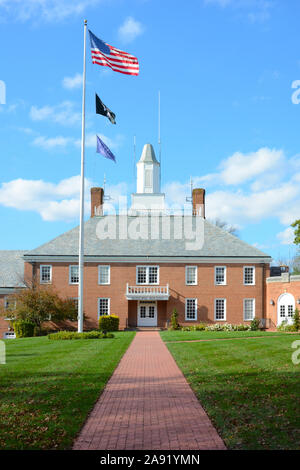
109 56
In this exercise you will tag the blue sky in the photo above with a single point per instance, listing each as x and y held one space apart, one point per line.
225 69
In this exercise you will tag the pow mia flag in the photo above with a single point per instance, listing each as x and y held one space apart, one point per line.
104 110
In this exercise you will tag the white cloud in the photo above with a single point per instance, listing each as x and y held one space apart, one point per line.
255 10
273 192
130 30
287 236
243 167
63 113
71 83
46 10
52 142
54 201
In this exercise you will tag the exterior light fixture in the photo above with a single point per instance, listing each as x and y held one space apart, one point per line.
298 301
273 303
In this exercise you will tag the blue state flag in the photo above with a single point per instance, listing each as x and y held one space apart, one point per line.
104 150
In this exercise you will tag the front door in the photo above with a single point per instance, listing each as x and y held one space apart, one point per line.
147 314
286 308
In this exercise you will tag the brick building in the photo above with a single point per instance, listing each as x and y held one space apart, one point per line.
142 265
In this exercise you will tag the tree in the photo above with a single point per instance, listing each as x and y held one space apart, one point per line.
296 226
39 305
225 226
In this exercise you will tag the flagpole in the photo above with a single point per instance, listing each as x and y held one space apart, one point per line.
81 227
159 141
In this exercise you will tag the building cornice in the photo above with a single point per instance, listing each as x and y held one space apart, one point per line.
146 259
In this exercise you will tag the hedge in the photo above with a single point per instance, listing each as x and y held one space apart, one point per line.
24 328
62 335
109 323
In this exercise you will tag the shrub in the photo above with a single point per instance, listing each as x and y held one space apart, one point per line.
296 320
227 327
39 305
24 328
200 327
174 321
284 326
68 335
109 323
254 325
186 328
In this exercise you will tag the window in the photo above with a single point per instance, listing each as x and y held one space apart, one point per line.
249 309
103 274
220 309
45 274
147 275
282 311
220 275
290 311
74 274
191 309
103 307
141 275
9 304
191 275
249 275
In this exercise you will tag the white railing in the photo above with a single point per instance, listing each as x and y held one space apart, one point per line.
147 292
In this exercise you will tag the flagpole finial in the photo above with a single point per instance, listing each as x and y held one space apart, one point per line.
85 21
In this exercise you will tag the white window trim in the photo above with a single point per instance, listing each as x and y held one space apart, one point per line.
5 300
104 266
225 276
244 309
196 308
70 268
196 277
244 269
44 266
225 309
147 275
101 298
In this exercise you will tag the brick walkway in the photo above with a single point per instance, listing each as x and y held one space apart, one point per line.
148 405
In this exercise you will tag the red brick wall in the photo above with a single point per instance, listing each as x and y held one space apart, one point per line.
274 291
172 274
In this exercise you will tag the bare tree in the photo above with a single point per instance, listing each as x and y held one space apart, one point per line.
225 226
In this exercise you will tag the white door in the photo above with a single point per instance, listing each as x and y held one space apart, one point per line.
147 314
286 308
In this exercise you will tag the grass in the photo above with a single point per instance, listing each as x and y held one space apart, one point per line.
250 389
47 388
179 335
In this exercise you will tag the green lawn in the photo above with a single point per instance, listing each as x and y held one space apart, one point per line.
250 389
47 388
194 335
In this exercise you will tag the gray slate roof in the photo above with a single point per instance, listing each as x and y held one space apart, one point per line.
217 242
11 268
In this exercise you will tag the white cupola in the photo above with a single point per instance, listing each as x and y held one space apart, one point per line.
148 172
148 196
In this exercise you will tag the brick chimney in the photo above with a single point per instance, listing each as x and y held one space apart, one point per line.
199 202
97 195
